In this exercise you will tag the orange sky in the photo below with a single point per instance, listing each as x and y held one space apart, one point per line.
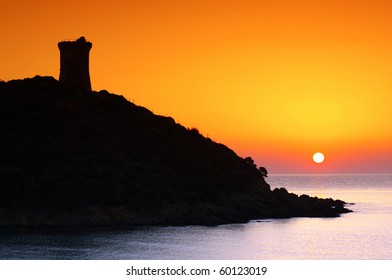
275 80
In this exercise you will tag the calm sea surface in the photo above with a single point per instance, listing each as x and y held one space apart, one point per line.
364 234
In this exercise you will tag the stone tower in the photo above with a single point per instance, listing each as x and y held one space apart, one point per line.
74 63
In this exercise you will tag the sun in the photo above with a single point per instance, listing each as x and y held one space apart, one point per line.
318 157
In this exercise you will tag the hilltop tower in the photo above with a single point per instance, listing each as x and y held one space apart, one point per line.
74 63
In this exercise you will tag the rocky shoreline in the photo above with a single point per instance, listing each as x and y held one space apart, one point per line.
74 159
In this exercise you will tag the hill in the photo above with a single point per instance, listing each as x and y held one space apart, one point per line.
70 158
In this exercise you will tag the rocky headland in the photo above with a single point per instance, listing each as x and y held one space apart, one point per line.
74 159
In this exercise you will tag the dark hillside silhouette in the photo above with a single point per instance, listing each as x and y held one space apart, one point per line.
73 159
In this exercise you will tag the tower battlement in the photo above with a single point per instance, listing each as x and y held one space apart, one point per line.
74 63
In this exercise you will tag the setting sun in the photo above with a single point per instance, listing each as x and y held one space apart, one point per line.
274 80
318 157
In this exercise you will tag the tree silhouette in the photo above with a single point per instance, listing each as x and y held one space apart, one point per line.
250 161
263 171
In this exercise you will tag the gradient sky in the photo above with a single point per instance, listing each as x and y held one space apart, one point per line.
275 80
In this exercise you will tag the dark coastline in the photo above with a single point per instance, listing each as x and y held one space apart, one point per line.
77 160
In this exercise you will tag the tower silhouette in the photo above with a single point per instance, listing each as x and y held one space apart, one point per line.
74 63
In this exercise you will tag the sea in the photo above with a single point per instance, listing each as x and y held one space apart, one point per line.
365 234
